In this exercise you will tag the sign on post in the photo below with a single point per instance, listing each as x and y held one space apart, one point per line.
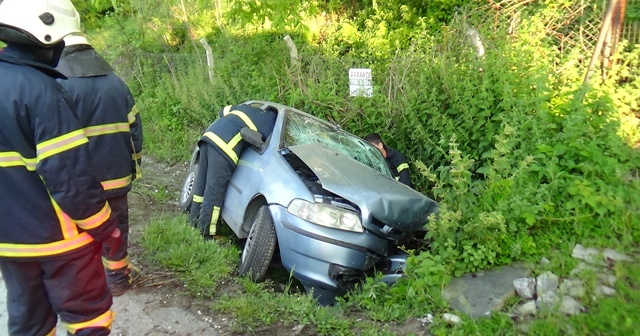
360 82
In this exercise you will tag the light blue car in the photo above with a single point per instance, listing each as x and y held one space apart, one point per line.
324 198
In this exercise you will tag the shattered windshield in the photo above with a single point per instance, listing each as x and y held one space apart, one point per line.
301 129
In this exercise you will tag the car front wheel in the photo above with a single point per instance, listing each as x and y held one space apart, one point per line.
186 195
259 247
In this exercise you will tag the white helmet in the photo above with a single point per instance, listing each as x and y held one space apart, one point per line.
76 39
44 22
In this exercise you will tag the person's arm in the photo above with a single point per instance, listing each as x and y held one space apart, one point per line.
135 126
64 165
405 174
401 165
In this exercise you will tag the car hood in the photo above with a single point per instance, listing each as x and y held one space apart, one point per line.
396 209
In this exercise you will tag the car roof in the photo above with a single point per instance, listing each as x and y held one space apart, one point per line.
263 104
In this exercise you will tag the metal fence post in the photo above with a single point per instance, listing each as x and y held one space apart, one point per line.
207 47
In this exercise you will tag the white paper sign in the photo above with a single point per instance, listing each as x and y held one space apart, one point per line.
360 83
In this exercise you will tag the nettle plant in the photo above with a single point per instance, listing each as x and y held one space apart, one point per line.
472 229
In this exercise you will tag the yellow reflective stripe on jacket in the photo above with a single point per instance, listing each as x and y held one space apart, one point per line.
234 141
115 265
223 145
102 321
37 250
67 225
198 199
60 144
215 214
226 110
106 129
52 332
116 183
95 220
14 159
247 121
402 167
136 156
131 116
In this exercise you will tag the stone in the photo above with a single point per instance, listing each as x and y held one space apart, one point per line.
573 288
547 301
527 309
427 319
451 318
524 328
570 306
588 254
525 287
607 279
544 261
546 282
478 294
613 255
604 291
298 330
583 268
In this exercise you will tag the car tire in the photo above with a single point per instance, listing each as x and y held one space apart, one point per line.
259 247
186 194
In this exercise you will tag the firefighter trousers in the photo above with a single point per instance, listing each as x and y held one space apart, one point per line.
116 264
72 287
214 172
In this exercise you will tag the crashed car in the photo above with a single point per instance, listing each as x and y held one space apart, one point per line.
322 197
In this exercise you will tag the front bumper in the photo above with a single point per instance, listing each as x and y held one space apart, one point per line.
330 259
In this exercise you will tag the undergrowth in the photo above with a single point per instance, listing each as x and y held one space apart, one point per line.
202 266
519 153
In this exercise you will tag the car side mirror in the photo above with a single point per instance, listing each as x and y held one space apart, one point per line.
252 137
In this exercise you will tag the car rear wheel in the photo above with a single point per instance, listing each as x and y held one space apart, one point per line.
259 247
186 195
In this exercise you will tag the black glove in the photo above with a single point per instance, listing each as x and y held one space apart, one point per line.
112 243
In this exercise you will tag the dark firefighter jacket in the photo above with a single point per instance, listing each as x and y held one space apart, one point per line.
50 203
224 133
398 165
103 105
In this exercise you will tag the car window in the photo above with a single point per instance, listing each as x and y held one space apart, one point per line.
303 129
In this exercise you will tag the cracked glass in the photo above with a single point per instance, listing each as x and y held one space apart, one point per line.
303 129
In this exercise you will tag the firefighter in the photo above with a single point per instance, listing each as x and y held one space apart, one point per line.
396 162
55 219
220 148
104 107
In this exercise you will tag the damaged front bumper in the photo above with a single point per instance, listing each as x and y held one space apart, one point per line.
329 261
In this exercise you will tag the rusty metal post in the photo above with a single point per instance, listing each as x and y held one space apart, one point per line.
606 24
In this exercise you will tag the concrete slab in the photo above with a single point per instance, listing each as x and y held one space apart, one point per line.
478 294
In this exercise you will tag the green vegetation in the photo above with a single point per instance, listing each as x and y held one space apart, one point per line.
524 160
172 244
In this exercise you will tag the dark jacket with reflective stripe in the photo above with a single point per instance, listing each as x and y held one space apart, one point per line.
224 133
398 165
50 203
103 105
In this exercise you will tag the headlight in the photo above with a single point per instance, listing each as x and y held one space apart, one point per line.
326 215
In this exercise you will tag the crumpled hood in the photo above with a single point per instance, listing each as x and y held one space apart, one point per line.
390 202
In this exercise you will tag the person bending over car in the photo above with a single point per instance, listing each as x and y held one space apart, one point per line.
220 148
395 160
